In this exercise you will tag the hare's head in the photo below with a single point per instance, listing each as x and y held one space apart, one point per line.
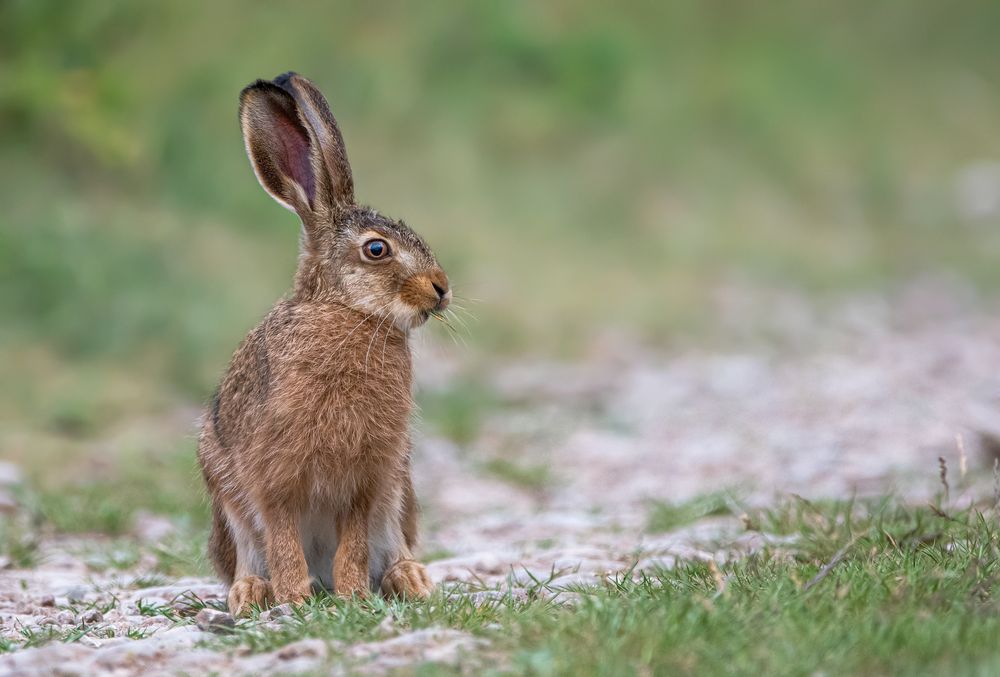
350 254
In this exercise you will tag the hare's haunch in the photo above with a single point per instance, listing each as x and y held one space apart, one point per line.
305 447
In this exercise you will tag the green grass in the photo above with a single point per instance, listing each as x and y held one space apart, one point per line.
894 612
914 593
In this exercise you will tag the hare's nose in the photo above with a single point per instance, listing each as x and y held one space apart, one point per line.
440 283
444 297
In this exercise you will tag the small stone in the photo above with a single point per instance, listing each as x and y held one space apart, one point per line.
90 617
66 618
276 612
47 600
211 620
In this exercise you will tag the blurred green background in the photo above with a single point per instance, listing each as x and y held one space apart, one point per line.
577 166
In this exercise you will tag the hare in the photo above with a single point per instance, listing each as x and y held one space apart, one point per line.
305 446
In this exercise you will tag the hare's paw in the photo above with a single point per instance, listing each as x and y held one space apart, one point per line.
248 591
407 578
292 593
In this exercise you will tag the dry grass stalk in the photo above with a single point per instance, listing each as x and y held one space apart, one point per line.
829 566
944 478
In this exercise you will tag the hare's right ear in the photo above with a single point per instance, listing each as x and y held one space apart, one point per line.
282 149
316 112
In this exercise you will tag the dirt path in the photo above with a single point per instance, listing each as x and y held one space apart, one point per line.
557 481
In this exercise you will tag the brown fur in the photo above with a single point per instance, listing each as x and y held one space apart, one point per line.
310 423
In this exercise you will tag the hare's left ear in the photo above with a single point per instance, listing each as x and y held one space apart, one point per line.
316 112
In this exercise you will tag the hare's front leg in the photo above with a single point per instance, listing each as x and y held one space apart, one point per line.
350 563
405 576
286 562
243 564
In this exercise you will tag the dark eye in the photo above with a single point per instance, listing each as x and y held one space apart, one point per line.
376 249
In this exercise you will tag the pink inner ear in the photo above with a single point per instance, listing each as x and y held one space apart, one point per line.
295 161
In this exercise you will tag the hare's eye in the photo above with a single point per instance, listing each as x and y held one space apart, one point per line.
376 249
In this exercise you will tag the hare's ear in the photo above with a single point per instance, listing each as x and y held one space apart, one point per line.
316 112
281 148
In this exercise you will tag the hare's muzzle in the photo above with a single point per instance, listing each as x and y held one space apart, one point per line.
427 292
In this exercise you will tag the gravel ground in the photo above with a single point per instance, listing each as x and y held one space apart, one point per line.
861 397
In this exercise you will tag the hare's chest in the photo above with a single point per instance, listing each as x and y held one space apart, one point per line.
363 418
373 393
363 400
348 405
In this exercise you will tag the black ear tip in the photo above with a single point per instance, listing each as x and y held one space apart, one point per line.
283 79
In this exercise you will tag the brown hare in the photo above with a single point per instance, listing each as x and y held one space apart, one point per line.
305 447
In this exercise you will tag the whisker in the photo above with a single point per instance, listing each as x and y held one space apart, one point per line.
367 317
372 339
452 332
455 316
341 344
384 342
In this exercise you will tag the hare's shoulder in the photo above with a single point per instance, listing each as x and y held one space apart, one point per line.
282 333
